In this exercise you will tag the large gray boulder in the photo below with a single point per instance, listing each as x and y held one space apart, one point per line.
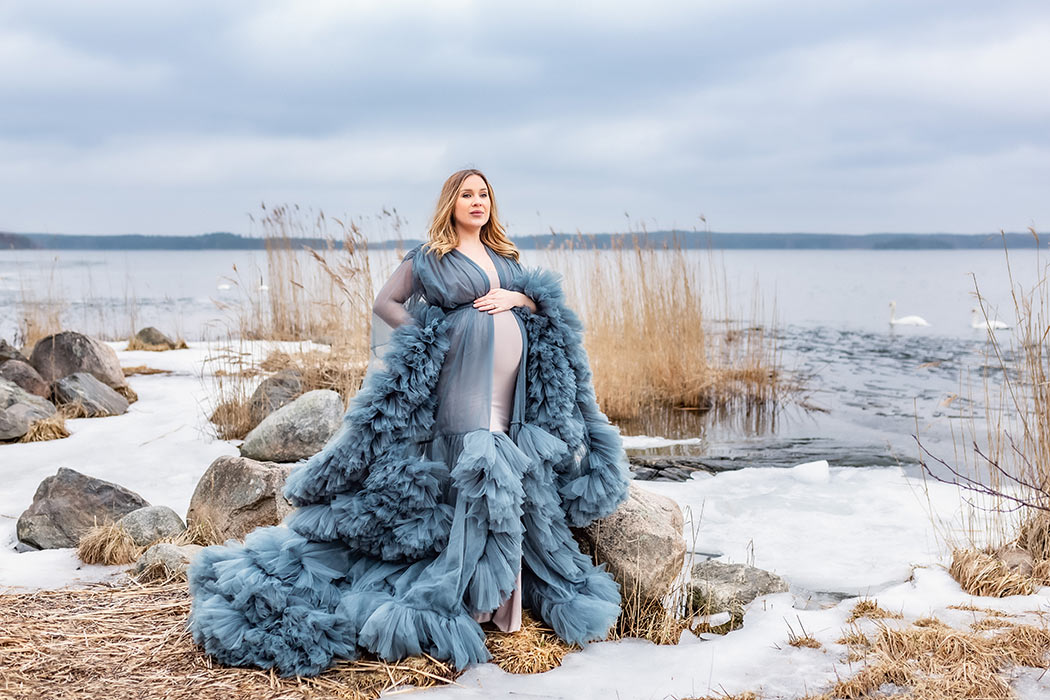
274 392
23 374
296 431
94 397
165 560
719 587
641 543
236 495
64 353
19 409
152 523
68 504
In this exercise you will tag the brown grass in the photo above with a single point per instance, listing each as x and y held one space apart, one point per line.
107 641
532 649
635 297
51 428
143 369
935 662
108 544
982 574
870 609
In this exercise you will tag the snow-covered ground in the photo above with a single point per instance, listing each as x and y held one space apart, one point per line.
832 533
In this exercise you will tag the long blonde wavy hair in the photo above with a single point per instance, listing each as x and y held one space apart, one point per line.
442 237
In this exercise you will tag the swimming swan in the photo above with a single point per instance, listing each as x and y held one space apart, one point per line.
906 320
984 324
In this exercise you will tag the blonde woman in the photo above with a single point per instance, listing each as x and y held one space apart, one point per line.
445 501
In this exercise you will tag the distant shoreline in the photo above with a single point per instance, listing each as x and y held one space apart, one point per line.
655 239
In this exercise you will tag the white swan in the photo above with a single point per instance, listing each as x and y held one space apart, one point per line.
976 321
906 320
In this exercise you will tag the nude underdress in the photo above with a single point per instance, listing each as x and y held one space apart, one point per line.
506 356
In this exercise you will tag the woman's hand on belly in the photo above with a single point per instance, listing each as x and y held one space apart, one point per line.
499 299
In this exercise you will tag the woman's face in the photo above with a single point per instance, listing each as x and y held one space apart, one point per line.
472 203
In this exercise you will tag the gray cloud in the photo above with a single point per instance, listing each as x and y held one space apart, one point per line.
180 117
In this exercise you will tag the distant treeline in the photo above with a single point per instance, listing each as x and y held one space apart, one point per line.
658 239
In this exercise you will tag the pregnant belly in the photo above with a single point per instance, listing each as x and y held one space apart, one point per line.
506 357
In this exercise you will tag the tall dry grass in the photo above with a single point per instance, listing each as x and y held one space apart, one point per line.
660 331
321 294
1003 465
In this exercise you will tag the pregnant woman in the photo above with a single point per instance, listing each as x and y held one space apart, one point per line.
446 498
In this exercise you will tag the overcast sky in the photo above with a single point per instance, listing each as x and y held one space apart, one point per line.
836 116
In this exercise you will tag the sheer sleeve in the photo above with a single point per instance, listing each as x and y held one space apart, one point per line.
389 303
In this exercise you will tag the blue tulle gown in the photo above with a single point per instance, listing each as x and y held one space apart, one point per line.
422 512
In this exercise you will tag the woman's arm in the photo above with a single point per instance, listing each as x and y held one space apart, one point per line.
389 303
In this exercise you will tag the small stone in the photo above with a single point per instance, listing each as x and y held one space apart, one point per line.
296 431
236 495
94 397
720 587
62 354
275 392
19 409
152 523
68 504
172 559
641 543
23 374
152 337
8 352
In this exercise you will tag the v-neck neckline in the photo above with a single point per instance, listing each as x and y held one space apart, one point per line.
483 271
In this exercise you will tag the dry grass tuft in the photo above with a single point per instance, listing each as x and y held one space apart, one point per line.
1034 536
73 409
119 641
108 544
854 638
982 574
871 610
533 649
51 428
143 369
934 661
804 641
990 623
929 622
746 695
128 393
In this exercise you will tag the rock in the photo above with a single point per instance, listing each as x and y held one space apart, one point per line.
297 430
171 559
152 523
19 409
275 392
8 352
150 336
641 543
67 504
96 398
23 374
236 495
1016 559
62 354
719 587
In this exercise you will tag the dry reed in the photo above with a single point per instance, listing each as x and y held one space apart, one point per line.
652 341
108 544
324 295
